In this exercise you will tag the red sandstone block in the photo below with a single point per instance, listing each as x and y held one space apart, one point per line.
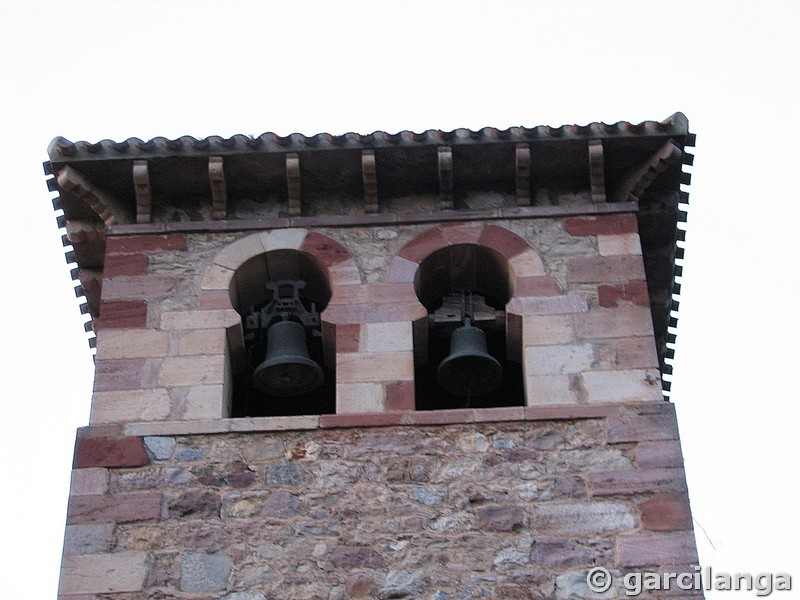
604 269
633 292
666 512
394 312
651 549
119 374
503 413
569 412
636 481
348 337
503 241
463 233
400 396
636 353
601 225
438 417
631 426
326 250
127 314
361 420
125 264
424 245
109 452
537 286
352 294
659 454
145 243
116 508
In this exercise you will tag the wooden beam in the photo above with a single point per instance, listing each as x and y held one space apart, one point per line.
445 178
597 174
219 191
523 172
141 185
370 179
293 182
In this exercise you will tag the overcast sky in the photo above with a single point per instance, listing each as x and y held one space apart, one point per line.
89 70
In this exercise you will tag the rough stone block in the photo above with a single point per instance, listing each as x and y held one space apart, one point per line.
604 269
203 572
619 244
622 386
666 512
547 330
601 225
558 360
386 337
131 343
356 556
122 314
103 573
550 389
605 323
501 518
89 482
652 549
122 406
362 367
116 508
359 398
88 539
109 452
636 481
160 447
582 518
192 370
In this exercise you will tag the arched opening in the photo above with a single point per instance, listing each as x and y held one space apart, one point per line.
280 295
465 288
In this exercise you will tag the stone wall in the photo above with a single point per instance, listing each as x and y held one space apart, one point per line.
578 321
503 504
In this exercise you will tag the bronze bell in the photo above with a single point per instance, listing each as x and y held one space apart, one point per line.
469 370
287 370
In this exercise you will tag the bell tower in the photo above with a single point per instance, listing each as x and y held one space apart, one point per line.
412 365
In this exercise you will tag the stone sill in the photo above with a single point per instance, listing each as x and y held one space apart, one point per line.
378 219
388 419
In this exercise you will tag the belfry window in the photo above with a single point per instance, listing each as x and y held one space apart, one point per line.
280 297
465 288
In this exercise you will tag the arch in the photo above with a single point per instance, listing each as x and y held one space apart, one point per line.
522 259
236 278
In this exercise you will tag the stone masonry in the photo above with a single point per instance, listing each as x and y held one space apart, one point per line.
176 496
501 503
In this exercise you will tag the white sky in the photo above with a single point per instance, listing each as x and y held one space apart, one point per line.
89 70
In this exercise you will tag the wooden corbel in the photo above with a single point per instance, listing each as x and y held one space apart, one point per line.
370 179
219 191
523 174
597 176
293 182
141 185
445 178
